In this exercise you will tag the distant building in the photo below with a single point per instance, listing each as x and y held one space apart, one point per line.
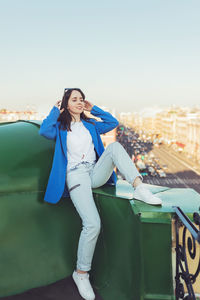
13 116
193 141
126 118
178 126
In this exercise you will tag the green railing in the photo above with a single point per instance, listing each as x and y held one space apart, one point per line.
186 246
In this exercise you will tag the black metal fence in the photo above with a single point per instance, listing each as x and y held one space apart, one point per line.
187 246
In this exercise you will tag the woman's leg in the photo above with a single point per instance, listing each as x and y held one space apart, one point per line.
116 155
79 186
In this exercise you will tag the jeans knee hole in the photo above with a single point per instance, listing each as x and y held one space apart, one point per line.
73 187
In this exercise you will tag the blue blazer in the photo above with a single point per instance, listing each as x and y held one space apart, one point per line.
56 187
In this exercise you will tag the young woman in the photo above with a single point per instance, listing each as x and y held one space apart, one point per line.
81 163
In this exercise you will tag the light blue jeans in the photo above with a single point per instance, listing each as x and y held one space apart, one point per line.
80 180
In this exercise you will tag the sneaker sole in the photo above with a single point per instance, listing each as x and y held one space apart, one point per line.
159 203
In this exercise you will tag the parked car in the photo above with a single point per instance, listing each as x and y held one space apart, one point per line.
140 164
151 169
144 173
161 173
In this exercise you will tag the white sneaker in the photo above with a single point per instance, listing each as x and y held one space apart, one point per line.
143 194
83 285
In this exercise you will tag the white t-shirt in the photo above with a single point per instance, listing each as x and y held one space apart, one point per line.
80 146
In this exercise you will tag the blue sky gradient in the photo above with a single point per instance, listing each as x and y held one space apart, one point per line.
123 54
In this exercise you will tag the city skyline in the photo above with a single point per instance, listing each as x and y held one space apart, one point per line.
124 55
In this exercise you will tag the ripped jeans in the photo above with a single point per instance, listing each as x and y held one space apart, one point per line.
80 180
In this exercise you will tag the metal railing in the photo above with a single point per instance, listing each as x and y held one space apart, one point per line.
186 247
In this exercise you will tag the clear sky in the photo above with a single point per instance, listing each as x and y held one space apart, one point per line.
123 54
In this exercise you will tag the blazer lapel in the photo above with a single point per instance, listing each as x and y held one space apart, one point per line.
63 138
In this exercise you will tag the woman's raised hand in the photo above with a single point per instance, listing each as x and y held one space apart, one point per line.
87 105
58 104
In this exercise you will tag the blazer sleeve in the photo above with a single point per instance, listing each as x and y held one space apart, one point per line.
48 126
108 121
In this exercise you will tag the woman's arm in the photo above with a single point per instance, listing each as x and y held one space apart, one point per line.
48 126
109 122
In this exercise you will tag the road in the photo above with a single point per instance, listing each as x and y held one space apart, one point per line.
179 174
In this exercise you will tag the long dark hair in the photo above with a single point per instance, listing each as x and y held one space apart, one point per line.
65 117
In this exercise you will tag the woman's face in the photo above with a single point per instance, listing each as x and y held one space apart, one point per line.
75 103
